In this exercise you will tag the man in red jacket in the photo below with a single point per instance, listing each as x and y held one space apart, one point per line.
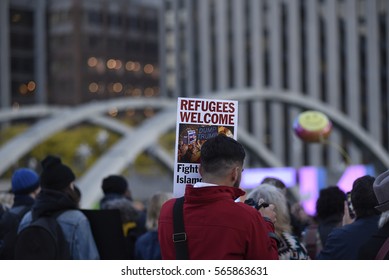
216 226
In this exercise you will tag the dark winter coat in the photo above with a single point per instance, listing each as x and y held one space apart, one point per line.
343 243
147 246
370 249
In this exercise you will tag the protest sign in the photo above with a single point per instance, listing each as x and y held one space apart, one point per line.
197 121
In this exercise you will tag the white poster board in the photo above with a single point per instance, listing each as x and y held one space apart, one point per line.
197 121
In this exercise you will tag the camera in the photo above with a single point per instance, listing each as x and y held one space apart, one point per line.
254 204
350 205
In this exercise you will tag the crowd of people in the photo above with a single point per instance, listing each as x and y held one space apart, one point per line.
88 236
209 222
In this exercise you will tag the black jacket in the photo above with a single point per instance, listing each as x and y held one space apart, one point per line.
370 249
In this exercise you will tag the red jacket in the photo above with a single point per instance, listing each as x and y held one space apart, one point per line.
217 227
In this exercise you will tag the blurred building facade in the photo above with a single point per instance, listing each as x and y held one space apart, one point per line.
71 52
102 49
22 43
333 51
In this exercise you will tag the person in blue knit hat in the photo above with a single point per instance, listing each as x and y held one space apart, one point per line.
25 186
25 181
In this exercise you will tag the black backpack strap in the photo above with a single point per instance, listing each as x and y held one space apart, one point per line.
55 215
179 235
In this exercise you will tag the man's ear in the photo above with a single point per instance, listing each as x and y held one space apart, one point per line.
234 174
201 170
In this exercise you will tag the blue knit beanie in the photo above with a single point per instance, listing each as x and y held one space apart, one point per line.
24 181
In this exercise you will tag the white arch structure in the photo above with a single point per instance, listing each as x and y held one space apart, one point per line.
60 118
143 137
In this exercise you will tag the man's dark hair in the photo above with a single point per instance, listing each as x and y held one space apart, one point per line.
330 202
363 198
221 152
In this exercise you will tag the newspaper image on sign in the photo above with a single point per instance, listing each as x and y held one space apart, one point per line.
197 121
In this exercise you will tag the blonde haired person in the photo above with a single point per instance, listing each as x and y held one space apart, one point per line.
147 245
289 247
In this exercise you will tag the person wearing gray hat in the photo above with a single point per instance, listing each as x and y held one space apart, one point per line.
381 190
375 247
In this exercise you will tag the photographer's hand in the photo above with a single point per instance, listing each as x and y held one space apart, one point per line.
269 213
346 216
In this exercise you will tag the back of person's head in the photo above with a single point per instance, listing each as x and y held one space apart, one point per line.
273 195
274 182
116 184
220 153
330 202
363 198
154 207
55 175
24 181
128 213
